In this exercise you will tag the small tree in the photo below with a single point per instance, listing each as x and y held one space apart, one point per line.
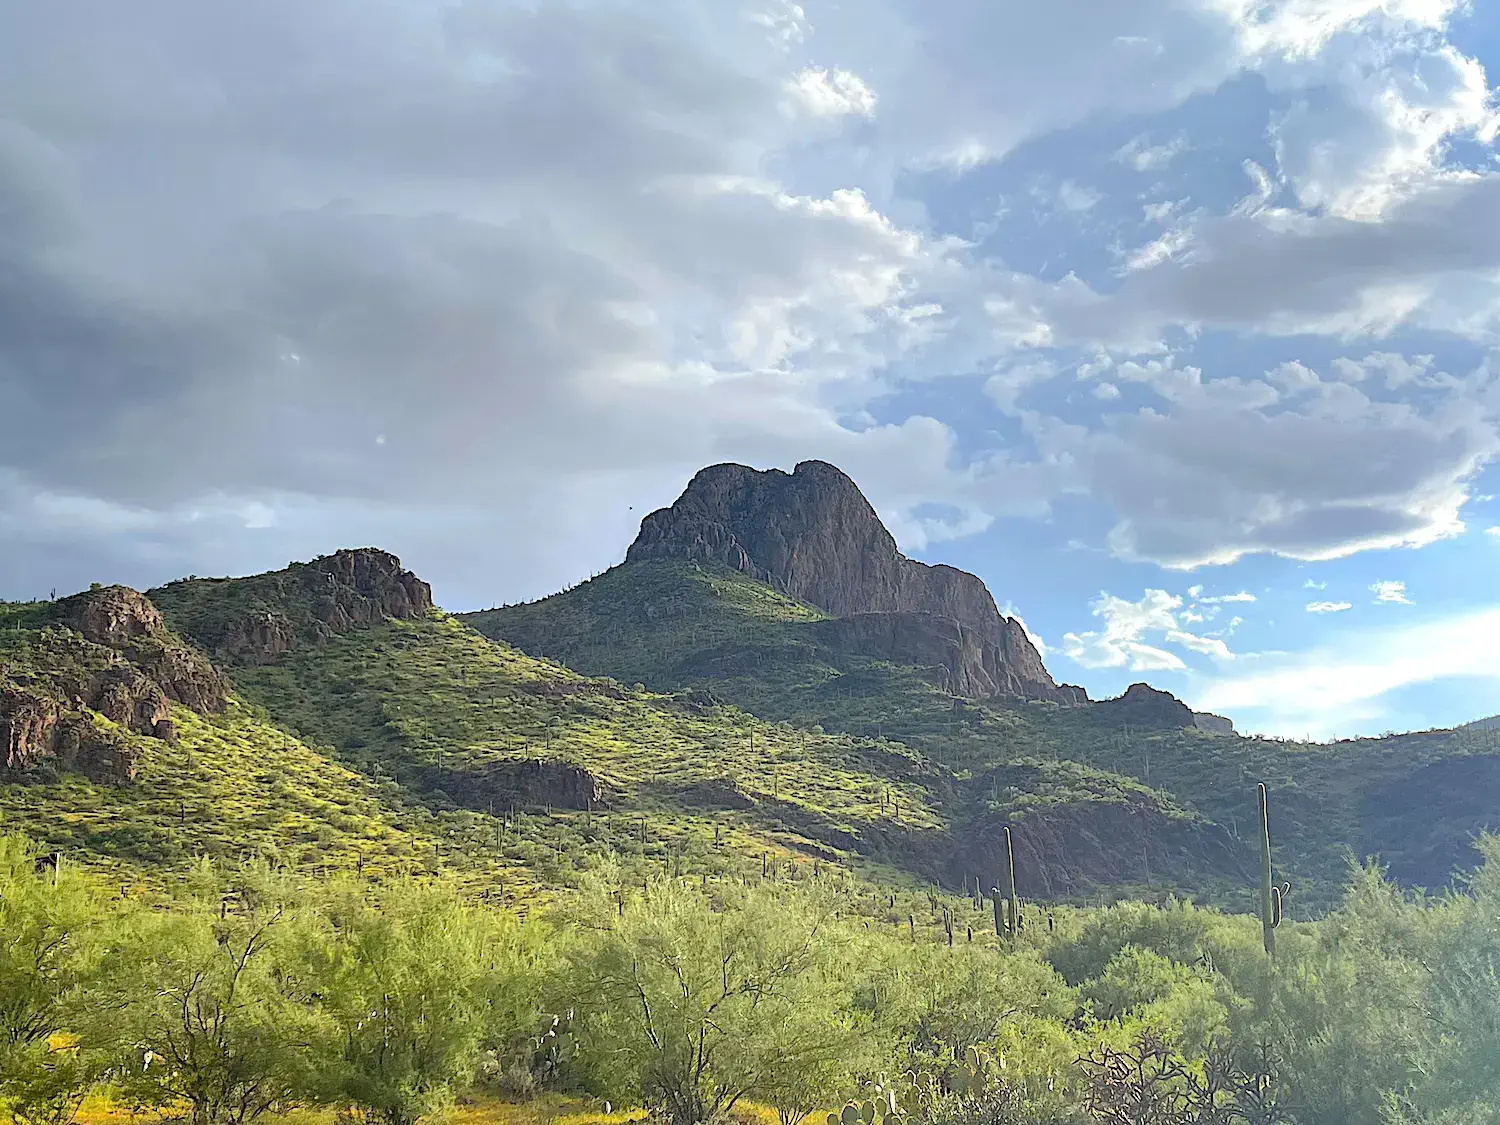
210 1005
417 982
696 1006
49 916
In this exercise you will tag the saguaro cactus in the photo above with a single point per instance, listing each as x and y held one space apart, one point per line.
1272 898
1010 883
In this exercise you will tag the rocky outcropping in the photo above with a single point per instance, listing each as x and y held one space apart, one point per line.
1212 724
519 783
256 620
127 621
38 733
960 659
813 535
1147 706
108 652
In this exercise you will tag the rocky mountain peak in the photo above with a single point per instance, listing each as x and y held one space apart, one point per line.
812 534
1149 706
254 620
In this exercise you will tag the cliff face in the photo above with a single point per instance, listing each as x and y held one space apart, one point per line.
963 661
812 534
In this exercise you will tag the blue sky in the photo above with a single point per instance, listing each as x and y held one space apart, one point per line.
1174 320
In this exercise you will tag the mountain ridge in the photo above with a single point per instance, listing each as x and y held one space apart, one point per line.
812 534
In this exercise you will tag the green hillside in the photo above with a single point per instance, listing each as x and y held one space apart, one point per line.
698 725
674 625
681 625
227 786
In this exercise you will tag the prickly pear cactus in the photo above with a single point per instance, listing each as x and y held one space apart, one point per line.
880 1109
974 1071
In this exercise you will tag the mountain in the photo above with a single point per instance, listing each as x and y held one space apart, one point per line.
684 711
812 535
327 714
738 589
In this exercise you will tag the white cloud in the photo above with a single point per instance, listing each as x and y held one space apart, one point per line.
1310 584
1217 599
1075 197
1209 646
1339 688
1328 607
832 94
1494 531
1168 247
1140 154
601 273
1388 591
1129 625
1225 466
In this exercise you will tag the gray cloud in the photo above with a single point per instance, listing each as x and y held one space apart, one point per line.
480 276
1236 467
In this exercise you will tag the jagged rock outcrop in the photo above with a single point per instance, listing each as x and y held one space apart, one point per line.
114 616
106 651
1212 724
256 620
38 732
963 661
127 621
812 534
1145 705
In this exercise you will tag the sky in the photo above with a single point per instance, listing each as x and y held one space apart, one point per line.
1174 320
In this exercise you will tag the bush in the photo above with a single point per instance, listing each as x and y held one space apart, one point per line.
690 1005
210 1005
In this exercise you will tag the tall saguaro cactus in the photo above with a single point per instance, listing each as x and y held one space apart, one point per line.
1010 922
1272 897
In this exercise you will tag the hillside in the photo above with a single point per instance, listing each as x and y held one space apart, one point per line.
365 728
678 712
725 622
111 760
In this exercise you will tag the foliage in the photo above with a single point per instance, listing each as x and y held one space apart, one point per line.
696 1006
415 981
50 948
247 991
210 1006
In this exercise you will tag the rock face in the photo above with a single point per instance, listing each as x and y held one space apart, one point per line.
963 661
1146 706
114 656
1069 848
255 620
36 731
812 534
1212 724
521 782
127 621
111 615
